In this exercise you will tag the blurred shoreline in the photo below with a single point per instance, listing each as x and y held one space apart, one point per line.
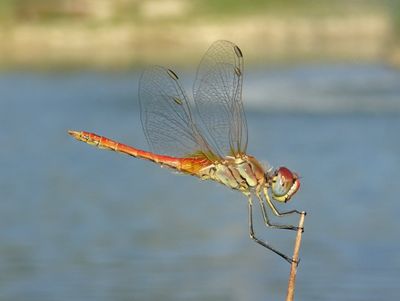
264 39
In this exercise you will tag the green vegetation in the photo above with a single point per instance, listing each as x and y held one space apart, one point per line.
394 8
304 7
111 11
128 32
184 10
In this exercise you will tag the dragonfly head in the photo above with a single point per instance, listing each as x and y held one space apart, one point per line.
284 184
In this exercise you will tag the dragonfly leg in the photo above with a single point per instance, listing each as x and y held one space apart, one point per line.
264 243
278 213
266 219
275 210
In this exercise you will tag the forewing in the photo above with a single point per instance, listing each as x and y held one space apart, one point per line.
218 97
165 114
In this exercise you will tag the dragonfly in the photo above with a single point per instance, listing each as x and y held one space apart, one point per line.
206 135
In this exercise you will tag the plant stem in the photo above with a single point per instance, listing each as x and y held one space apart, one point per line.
293 268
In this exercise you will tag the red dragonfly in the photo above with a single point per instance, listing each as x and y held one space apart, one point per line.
206 136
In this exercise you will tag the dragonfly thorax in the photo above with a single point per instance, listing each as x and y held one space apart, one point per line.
243 173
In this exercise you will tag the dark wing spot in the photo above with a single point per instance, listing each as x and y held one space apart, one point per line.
238 51
177 100
172 74
237 71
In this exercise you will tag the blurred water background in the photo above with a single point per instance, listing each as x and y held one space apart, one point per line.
77 223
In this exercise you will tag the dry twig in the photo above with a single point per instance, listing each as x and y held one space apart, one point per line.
293 268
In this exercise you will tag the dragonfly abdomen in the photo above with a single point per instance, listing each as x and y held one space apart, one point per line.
109 144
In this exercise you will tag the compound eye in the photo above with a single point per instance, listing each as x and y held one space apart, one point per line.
284 185
281 186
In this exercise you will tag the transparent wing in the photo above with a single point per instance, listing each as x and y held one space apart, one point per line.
218 97
166 117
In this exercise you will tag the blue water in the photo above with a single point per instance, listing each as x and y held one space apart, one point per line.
77 223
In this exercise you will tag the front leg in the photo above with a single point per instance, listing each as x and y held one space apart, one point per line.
266 219
275 210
